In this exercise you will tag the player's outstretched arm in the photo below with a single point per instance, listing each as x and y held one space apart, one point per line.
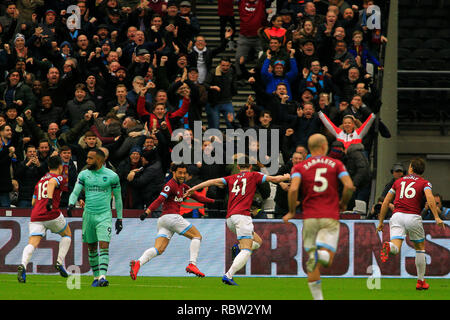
152 207
432 205
292 197
74 196
279 178
384 209
219 182
347 191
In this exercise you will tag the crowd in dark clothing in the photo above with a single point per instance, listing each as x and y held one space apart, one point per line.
125 75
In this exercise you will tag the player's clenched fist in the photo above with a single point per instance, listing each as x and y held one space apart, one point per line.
143 216
119 226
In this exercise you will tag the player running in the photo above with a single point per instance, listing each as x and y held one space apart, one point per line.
318 177
46 215
99 184
410 193
241 188
171 222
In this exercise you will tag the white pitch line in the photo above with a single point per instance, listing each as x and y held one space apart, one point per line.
111 284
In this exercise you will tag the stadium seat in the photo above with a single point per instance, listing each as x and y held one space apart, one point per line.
443 54
441 83
404 33
411 12
422 53
435 23
439 13
421 33
443 33
410 64
403 53
407 23
418 83
428 105
435 64
406 107
407 3
410 43
436 44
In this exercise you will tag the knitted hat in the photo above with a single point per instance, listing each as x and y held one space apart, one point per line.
19 36
136 149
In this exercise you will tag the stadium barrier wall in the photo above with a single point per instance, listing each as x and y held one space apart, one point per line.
281 253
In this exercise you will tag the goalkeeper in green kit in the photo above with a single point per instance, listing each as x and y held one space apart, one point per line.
99 183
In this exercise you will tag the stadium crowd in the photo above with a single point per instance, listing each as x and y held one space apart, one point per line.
126 74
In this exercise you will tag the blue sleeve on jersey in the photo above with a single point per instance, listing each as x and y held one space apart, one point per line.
392 191
343 174
296 175
224 181
164 195
264 179
57 181
427 187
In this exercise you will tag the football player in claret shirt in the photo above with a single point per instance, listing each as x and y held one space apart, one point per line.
409 194
171 222
46 215
241 187
318 179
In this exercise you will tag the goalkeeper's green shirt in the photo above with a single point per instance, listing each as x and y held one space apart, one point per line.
98 186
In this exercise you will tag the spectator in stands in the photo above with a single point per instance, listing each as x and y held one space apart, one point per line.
305 124
360 51
352 130
281 202
346 81
252 16
69 173
274 30
201 56
358 167
273 75
127 170
225 11
48 113
7 157
221 85
444 213
27 174
316 79
397 171
15 91
310 13
80 105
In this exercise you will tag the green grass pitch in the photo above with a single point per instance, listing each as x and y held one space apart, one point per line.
49 287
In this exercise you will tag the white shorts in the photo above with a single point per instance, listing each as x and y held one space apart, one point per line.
39 228
241 225
168 224
320 233
407 223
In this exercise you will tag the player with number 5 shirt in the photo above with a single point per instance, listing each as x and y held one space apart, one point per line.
318 179
409 194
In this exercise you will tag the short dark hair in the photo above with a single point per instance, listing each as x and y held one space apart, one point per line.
418 165
2 128
99 152
226 59
175 166
246 163
29 146
54 162
264 112
65 148
44 140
